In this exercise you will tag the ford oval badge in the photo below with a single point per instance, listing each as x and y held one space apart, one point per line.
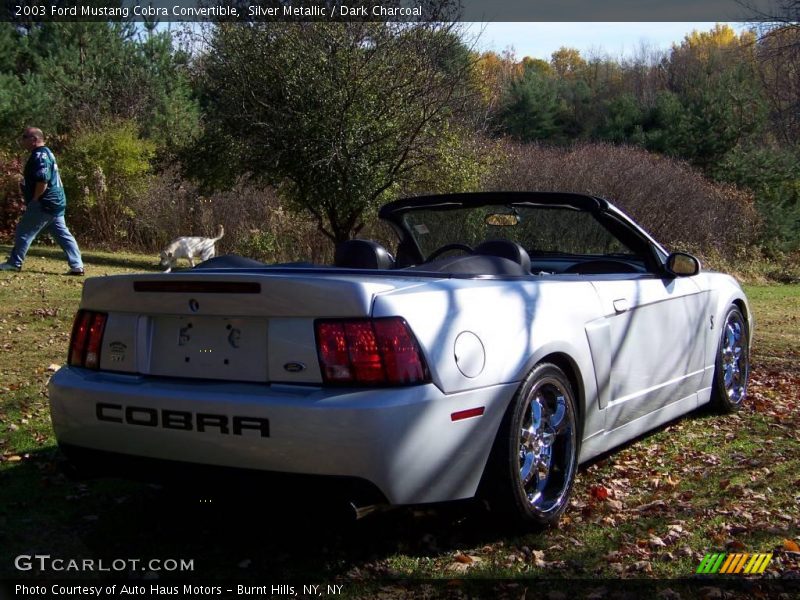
294 367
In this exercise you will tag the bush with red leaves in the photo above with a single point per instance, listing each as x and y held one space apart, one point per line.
11 203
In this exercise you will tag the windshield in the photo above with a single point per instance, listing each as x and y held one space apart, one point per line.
539 229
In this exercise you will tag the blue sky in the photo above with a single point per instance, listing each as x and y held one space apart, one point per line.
539 40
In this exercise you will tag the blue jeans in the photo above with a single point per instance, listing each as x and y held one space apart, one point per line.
29 226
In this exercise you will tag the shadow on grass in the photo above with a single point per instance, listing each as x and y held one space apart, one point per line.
91 258
245 537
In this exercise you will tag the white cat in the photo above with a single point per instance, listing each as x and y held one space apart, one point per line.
189 248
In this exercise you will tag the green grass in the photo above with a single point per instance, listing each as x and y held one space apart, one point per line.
777 316
701 484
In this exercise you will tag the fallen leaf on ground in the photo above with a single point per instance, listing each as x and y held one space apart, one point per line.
641 566
791 546
616 567
538 559
656 504
736 545
463 563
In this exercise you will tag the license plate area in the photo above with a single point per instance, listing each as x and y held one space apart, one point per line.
231 348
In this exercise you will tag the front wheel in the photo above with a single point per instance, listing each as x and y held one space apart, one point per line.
533 463
732 366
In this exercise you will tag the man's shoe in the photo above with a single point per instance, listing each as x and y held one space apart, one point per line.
9 267
76 272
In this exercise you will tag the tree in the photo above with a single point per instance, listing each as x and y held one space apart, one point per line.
576 107
778 55
338 115
493 73
774 176
622 120
567 62
64 76
713 76
530 107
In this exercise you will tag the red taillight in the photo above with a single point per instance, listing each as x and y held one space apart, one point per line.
369 352
365 361
77 343
87 336
401 355
332 350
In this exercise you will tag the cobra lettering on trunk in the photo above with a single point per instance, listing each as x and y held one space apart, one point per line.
180 419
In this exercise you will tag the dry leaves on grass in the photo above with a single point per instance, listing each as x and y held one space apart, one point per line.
463 562
598 492
773 392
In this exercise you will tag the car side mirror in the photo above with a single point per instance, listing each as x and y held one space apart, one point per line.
681 264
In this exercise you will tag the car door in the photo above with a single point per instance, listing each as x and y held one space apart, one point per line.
652 341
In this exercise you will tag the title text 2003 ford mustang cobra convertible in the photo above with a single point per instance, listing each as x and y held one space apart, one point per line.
513 336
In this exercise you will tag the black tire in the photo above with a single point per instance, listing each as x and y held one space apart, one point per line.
732 366
532 468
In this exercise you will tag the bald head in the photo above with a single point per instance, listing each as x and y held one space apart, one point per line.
32 138
34 133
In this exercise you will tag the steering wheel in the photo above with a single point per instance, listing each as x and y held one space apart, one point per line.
446 248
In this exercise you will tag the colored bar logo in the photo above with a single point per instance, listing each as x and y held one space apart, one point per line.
734 564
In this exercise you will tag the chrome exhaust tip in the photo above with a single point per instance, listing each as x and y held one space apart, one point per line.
359 512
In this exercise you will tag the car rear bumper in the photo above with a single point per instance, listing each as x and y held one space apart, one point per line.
403 441
222 484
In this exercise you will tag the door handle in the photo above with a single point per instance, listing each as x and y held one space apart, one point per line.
621 305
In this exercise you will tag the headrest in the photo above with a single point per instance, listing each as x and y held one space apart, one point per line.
362 254
506 249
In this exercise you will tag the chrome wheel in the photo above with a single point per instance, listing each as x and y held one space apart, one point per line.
733 363
547 446
734 358
532 467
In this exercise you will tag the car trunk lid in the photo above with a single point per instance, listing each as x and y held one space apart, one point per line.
231 326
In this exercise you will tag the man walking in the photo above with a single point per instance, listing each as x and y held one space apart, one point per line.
45 205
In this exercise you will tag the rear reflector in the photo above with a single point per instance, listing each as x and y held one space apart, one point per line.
369 352
87 338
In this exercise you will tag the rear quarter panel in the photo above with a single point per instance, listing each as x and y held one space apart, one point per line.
518 323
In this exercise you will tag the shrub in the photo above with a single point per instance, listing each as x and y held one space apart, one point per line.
11 202
670 199
104 170
256 223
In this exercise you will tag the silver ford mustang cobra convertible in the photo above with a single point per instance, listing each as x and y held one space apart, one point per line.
509 338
